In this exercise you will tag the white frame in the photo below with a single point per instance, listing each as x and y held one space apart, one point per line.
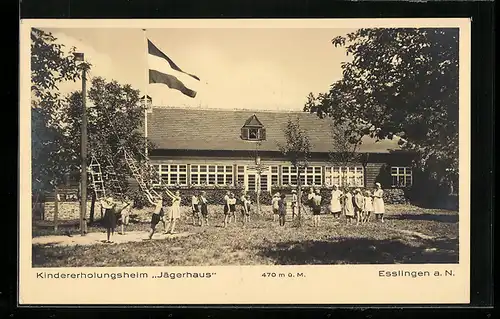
406 172
286 177
337 175
203 177
168 174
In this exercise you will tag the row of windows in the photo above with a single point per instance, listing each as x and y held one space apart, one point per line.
177 174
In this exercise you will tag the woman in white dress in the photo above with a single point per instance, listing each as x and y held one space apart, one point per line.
348 206
378 202
335 207
175 211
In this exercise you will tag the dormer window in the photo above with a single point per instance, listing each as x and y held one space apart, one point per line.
253 130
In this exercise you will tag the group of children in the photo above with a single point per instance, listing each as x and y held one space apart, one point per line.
230 208
278 204
357 206
199 207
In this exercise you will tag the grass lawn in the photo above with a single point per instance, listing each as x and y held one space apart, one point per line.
409 235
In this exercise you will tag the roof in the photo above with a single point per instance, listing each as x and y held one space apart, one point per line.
174 128
253 121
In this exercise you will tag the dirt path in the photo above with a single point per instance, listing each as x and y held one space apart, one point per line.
99 238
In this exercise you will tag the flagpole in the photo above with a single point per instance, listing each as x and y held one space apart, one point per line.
146 82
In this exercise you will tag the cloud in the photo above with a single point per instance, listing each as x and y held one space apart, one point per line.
102 64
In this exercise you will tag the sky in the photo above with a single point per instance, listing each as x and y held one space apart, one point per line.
239 68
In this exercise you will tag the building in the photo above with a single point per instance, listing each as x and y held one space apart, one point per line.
219 147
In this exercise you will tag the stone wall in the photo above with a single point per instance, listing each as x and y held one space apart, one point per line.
66 210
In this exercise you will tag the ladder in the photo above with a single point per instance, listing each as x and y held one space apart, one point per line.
112 179
97 180
136 172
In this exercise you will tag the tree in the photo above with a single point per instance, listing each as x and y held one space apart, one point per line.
49 67
113 125
344 150
297 149
400 82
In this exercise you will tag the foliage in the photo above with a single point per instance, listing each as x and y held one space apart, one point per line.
49 67
215 196
344 150
264 198
139 198
297 147
400 82
112 124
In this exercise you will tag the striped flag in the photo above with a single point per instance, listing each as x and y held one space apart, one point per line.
163 70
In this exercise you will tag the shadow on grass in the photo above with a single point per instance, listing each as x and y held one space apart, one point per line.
451 218
362 251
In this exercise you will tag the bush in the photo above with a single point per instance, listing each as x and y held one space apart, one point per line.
265 197
140 199
215 196
395 196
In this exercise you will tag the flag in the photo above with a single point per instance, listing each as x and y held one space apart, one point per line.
163 70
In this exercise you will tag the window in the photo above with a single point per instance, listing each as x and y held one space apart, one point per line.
253 133
344 176
401 176
253 130
240 177
310 176
288 175
274 175
251 182
173 174
211 174
263 182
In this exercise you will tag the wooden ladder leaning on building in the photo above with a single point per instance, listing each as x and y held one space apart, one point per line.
97 179
134 167
138 175
112 179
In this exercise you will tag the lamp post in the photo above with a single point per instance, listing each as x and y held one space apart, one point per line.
259 172
79 57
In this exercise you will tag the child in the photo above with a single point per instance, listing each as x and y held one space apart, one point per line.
157 215
174 212
275 205
310 197
316 208
282 209
232 208
378 202
226 208
249 208
368 206
335 207
125 212
245 205
204 207
226 204
109 220
348 206
195 207
359 205
294 203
